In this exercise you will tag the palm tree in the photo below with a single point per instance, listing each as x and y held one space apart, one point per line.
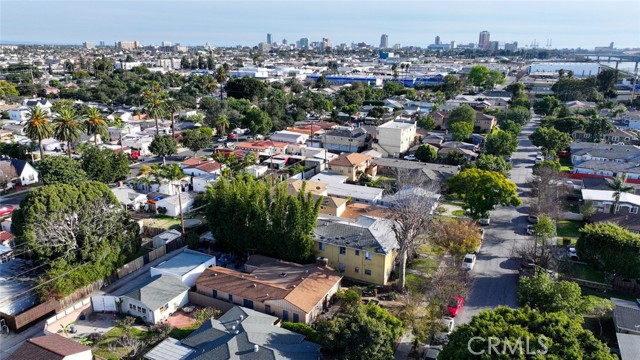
221 123
618 187
66 127
174 174
94 124
221 77
38 127
117 123
155 107
173 106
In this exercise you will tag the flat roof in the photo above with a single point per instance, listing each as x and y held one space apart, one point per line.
397 125
184 262
629 345
15 296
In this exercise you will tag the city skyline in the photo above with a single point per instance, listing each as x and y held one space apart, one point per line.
569 23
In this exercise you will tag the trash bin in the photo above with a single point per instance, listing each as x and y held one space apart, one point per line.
73 329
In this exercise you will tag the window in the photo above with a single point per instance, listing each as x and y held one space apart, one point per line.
214 294
343 250
321 246
285 315
633 210
357 252
230 297
247 303
132 307
357 269
139 309
164 307
296 317
144 311
367 272
342 267
267 309
367 255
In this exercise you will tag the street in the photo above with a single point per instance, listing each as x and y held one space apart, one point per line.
495 275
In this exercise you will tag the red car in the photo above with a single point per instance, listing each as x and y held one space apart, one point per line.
232 137
454 306
6 210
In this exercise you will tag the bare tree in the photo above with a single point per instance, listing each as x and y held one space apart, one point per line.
550 189
7 174
411 208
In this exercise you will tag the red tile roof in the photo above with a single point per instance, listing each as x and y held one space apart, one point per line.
50 347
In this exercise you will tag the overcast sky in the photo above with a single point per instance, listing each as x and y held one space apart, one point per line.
569 23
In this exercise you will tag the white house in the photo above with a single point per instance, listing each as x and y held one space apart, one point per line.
202 168
27 174
172 205
138 142
257 170
200 182
125 116
156 299
395 137
604 199
43 104
165 237
185 266
131 199
51 144
19 114
290 137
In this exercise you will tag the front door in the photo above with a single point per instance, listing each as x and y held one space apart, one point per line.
285 315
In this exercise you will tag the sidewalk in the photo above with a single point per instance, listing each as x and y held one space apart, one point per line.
405 343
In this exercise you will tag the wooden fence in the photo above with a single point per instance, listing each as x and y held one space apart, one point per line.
154 254
130 267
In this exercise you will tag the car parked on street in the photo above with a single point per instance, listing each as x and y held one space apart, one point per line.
455 305
533 218
6 210
410 157
469 261
571 252
530 230
442 338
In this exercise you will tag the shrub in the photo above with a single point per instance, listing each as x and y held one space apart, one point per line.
310 333
162 210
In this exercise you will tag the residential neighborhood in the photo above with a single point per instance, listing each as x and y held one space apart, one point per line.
318 200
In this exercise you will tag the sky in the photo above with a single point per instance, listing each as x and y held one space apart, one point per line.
568 23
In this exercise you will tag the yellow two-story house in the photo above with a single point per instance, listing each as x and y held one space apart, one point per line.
362 250
352 166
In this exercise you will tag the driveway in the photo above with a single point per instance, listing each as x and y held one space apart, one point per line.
495 274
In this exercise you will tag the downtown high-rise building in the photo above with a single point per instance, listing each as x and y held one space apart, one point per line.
437 40
303 43
484 41
384 41
269 39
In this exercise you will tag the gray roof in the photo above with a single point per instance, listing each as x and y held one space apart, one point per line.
14 290
610 165
168 235
630 222
169 349
184 262
432 171
626 315
157 291
236 334
356 132
365 233
629 346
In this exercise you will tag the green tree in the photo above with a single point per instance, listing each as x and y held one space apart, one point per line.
426 122
606 81
493 163
598 127
542 293
546 167
478 74
481 190
60 170
550 336
501 143
14 151
222 123
173 107
104 165
520 115
464 114
362 332
457 236
550 139
154 105
163 146
377 112
38 127
611 249
8 90
548 106
257 121
426 153
618 186
246 88
94 124
452 86
174 174
494 77
511 126
567 124
197 140
461 131
69 227
66 127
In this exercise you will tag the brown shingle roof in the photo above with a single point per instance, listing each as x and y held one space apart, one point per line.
209 167
349 160
50 347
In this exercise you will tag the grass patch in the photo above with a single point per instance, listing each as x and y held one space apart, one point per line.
182 333
565 164
568 228
164 222
586 272
102 348
458 213
425 265
429 249
607 295
416 283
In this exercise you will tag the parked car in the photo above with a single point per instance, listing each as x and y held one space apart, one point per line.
6 210
432 353
484 221
222 139
232 136
469 261
410 157
571 252
454 306
530 230
533 218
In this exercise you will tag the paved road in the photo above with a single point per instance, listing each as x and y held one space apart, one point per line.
495 274
14 199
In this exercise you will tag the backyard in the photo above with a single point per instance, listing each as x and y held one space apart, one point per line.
568 228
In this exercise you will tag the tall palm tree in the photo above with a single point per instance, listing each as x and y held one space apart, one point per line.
155 107
66 127
94 124
173 106
118 124
618 186
221 123
221 77
174 174
38 127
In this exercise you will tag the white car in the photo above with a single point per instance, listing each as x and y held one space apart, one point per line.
410 157
530 230
442 337
469 261
573 255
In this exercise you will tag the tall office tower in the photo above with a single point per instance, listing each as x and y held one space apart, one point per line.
304 43
269 39
484 42
453 44
89 45
437 40
325 44
102 44
384 41
285 42
166 43
126 45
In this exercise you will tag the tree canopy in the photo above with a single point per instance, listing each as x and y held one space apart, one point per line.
197 139
457 236
492 163
611 249
550 139
163 146
541 292
481 190
104 165
246 88
257 121
501 143
426 153
60 170
550 336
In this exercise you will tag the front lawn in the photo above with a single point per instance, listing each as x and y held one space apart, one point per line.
182 333
426 265
585 272
568 228
429 249
416 283
117 352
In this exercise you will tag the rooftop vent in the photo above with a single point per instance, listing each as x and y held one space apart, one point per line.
283 275
256 348
254 285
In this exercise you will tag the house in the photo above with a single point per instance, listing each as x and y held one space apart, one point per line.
337 187
257 171
172 204
196 167
345 139
620 137
363 250
201 182
352 165
186 266
440 118
155 299
289 291
395 137
431 172
633 119
484 122
581 152
630 222
51 347
165 237
240 333
608 168
43 104
604 199
125 116
433 140
19 114
329 205
468 154
291 137
317 158
131 199
26 173
626 318
263 147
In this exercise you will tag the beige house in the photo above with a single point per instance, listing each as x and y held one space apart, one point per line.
395 137
352 166
329 205
289 291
